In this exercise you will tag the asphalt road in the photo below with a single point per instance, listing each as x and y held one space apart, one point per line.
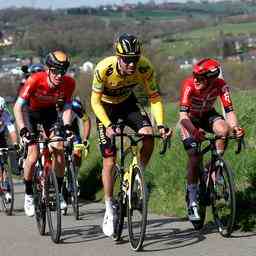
165 236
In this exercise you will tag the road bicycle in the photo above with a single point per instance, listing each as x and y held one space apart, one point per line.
45 190
6 182
130 191
216 188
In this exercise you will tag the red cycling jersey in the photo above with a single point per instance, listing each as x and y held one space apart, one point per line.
199 101
39 95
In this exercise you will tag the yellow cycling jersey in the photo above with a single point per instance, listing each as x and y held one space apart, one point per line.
111 87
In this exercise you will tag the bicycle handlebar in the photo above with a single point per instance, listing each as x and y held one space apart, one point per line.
166 142
240 141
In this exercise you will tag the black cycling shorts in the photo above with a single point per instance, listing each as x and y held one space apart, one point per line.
46 117
205 123
130 113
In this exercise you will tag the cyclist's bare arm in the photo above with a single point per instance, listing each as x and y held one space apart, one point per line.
232 119
18 113
86 129
186 122
67 115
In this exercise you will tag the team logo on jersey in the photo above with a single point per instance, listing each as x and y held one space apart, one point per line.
109 71
97 75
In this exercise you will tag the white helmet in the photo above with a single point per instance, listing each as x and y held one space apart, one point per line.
2 103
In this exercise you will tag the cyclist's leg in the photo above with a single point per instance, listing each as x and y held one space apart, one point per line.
57 148
138 120
29 163
108 152
191 147
220 128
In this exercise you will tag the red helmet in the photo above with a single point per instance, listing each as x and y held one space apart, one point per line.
207 68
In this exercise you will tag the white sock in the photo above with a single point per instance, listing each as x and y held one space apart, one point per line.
109 206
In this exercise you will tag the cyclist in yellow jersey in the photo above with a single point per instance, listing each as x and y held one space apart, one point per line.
112 98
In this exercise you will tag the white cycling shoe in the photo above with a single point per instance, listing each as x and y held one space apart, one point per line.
29 206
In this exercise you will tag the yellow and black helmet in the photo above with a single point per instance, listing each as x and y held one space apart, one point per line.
127 45
58 60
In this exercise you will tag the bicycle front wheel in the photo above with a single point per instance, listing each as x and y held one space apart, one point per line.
40 209
137 209
53 207
118 204
7 190
224 201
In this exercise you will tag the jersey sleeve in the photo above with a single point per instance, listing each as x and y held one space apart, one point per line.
225 96
98 108
98 78
151 88
28 88
185 95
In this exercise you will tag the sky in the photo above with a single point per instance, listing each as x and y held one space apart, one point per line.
54 4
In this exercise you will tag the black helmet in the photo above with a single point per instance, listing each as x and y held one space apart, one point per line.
128 45
58 60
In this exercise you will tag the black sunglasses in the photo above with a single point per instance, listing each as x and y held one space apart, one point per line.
57 71
130 59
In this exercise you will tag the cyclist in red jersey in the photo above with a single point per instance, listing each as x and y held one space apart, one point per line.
39 95
197 115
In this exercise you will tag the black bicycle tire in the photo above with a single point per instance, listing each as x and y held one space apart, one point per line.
40 209
231 184
55 234
8 210
119 207
72 184
136 244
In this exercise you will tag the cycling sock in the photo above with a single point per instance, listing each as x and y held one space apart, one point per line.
192 193
28 187
109 206
60 182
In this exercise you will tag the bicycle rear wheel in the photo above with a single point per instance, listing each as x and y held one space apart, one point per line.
72 189
53 206
7 190
224 201
118 204
40 209
137 209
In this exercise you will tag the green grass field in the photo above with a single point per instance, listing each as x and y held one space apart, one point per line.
166 175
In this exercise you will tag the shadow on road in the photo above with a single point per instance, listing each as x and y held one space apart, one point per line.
161 237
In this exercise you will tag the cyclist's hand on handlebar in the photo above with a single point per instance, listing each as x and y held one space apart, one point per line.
239 132
164 132
68 132
111 130
198 135
25 135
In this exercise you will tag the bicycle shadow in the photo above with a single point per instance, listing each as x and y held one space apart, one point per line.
162 235
83 233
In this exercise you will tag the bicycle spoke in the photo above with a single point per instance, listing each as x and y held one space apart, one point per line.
53 207
40 210
137 210
7 191
224 206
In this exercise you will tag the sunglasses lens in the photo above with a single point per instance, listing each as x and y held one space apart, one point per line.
61 72
133 59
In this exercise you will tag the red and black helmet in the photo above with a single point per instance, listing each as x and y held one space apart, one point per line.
207 68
